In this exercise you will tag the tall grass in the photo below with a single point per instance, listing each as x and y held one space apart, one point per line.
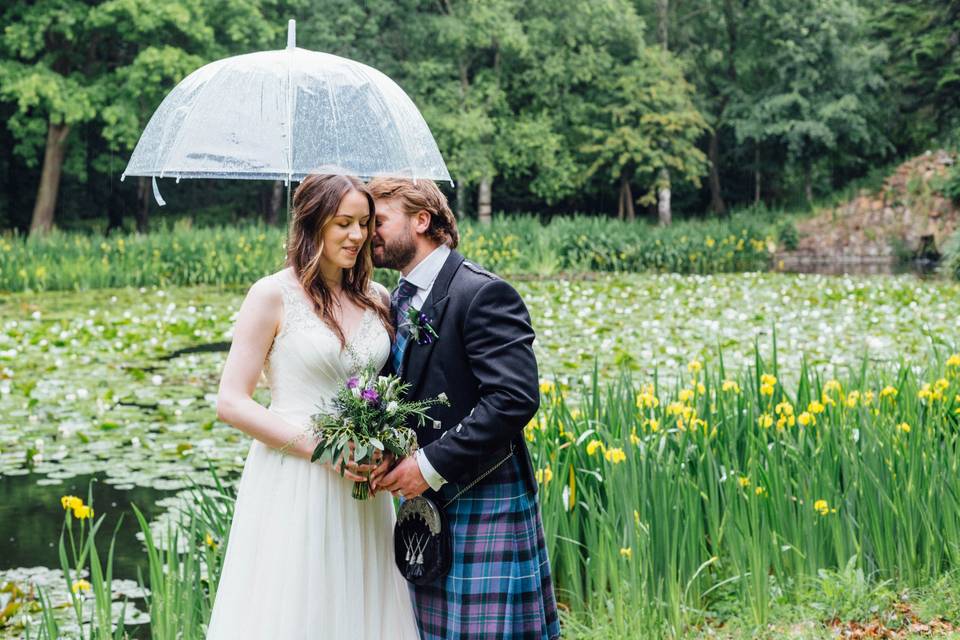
950 264
659 500
664 502
181 581
184 571
183 255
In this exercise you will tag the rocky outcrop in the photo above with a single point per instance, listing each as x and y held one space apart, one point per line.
906 217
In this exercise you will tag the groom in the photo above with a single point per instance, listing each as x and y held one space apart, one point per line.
482 358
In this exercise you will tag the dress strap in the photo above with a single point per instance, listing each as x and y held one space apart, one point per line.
287 291
297 309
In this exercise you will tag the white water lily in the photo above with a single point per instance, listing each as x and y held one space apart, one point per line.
642 315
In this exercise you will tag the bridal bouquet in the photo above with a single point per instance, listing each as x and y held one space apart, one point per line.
370 414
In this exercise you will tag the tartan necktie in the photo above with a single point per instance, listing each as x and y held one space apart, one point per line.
402 297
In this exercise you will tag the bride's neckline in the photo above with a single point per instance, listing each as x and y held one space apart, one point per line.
304 298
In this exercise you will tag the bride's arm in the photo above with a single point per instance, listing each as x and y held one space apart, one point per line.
253 333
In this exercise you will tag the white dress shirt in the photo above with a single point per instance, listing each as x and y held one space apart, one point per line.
423 276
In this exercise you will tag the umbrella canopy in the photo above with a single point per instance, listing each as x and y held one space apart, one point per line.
280 115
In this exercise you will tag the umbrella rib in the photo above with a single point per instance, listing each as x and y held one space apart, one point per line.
333 114
290 97
403 138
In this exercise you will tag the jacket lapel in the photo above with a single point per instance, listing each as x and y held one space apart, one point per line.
415 355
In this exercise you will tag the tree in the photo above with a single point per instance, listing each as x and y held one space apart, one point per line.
644 123
814 88
572 51
72 62
706 36
664 210
923 38
45 80
456 51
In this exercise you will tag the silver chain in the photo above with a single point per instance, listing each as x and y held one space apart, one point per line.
482 476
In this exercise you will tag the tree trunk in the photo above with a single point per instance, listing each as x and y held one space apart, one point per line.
461 202
621 209
626 199
142 215
276 201
115 207
716 199
484 205
46 202
663 15
808 182
756 174
664 212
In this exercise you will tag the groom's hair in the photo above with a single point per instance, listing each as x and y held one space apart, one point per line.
420 195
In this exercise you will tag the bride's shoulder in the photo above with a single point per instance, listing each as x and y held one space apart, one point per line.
269 289
381 291
262 307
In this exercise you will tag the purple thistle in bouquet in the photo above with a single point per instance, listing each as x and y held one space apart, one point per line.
370 413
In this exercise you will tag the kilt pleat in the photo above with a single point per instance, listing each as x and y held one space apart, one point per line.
499 585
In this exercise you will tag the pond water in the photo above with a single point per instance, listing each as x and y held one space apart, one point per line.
919 268
88 388
31 518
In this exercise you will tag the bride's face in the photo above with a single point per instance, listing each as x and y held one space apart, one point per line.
347 231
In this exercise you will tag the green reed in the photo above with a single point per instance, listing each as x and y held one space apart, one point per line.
659 500
183 255
182 570
663 503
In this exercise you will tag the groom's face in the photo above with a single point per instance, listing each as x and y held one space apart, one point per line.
394 243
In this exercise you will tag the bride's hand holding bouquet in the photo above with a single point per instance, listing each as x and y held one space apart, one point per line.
365 422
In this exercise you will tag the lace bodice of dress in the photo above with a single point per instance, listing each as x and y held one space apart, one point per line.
306 364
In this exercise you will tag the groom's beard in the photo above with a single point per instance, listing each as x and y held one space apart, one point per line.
395 255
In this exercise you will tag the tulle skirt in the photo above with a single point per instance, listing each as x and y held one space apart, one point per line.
307 560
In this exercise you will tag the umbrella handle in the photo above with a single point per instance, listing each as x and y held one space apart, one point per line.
292 34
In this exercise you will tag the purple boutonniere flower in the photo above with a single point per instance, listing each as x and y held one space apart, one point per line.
370 395
353 382
420 327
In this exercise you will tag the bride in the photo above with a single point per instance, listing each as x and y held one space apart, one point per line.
304 559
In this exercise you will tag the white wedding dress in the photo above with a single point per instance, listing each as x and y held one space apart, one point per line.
304 558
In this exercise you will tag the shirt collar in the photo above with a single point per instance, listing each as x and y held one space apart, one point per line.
429 268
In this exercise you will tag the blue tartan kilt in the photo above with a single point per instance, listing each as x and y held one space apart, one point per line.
499 585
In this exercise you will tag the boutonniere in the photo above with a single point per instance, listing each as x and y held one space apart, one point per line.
420 327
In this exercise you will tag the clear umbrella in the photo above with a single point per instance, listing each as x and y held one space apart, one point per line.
280 115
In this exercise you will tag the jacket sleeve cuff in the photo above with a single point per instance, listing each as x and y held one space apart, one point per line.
434 479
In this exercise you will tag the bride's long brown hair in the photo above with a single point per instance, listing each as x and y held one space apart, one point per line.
315 203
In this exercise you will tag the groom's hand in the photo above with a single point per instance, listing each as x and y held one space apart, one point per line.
405 480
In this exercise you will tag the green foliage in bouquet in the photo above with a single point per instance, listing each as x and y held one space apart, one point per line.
368 414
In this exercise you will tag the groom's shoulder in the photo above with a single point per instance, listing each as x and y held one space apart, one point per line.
469 280
474 281
478 273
